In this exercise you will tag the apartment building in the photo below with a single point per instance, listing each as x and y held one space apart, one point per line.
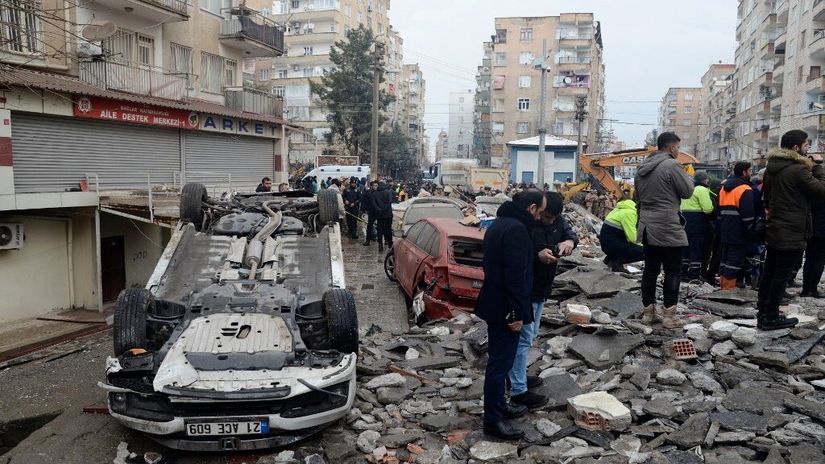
481 113
460 127
411 100
574 45
679 113
441 145
758 79
394 83
109 98
312 27
717 109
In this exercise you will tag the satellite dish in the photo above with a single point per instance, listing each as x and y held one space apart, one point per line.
568 80
98 30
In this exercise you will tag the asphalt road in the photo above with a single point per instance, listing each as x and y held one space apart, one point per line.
64 381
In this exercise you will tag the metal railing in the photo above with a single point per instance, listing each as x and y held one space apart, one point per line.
253 101
575 59
178 6
250 24
132 78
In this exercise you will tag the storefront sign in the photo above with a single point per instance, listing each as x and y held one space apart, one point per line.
227 125
134 113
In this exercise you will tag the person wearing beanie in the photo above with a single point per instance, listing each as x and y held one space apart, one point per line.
698 212
737 214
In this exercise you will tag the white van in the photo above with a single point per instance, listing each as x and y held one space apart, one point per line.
337 172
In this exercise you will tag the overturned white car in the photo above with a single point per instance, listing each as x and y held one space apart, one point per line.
245 336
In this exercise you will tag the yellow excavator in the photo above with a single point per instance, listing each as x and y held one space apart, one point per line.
598 172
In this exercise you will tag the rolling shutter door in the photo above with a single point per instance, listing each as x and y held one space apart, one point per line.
54 154
212 158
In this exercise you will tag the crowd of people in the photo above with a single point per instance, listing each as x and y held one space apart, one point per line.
669 225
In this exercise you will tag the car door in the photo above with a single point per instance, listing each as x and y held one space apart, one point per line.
403 261
431 249
419 254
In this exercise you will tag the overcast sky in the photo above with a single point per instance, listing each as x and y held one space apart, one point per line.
649 46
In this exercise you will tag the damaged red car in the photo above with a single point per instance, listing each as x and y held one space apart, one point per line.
438 263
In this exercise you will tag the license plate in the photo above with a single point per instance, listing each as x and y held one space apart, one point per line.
477 284
199 429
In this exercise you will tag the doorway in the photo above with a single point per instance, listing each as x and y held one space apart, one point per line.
112 267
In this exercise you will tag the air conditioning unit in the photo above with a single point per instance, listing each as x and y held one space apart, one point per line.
88 49
11 236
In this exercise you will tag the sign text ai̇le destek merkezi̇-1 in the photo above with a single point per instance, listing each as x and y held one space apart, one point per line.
136 113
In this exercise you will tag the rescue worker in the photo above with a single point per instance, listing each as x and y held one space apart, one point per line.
736 214
618 236
698 212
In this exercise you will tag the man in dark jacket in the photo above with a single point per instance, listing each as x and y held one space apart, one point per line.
504 302
366 207
815 253
552 238
792 181
381 204
352 205
736 214
661 184
264 186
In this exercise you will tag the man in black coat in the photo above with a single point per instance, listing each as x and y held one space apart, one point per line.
552 238
381 204
504 302
352 205
366 207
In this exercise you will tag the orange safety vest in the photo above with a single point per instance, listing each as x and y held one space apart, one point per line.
729 200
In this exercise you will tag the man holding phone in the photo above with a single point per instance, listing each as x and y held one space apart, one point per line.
504 302
552 238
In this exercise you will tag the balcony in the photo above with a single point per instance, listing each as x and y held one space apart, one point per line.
252 34
313 12
152 10
254 101
311 37
816 49
136 79
574 60
815 85
818 10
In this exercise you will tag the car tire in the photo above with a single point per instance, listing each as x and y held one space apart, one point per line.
192 198
342 320
327 206
129 328
389 266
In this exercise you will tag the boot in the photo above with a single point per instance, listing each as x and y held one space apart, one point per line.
649 316
727 283
776 323
670 321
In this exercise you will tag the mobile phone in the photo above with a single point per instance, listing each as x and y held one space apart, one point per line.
511 317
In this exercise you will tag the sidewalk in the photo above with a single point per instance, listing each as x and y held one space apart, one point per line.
24 336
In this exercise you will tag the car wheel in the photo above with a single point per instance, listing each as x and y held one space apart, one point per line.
389 266
342 320
129 328
418 307
192 198
327 206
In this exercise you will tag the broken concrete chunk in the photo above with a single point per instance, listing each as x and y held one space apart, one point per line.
557 346
599 411
692 432
741 420
577 314
670 377
721 330
387 380
547 427
743 337
703 381
722 349
367 441
591 348
490 451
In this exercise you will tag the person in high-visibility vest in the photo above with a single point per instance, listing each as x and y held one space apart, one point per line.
736 211
618 236
697 210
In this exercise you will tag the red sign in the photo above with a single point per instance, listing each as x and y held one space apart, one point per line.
134 113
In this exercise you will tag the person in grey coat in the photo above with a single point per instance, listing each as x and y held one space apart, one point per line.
661 185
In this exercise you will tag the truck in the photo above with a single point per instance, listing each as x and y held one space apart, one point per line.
466 172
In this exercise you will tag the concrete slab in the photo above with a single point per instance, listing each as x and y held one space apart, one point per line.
558 389
737 296
598 283
603 351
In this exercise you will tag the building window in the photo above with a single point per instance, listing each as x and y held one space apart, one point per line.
121 46
283 73
688 109
264 75
526 34
523 104
461 100
181 59
20 30
501 59
498 128
501 36
296 4
217 72
524 82
522 128
215 6
688 97
347 11
558 128
146 50
525 58
360 17
686 122
307 51
278 90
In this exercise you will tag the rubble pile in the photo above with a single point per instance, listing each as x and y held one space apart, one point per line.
715 391
586 225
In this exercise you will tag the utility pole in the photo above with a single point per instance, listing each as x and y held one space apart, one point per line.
581 114
376 82
544 66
